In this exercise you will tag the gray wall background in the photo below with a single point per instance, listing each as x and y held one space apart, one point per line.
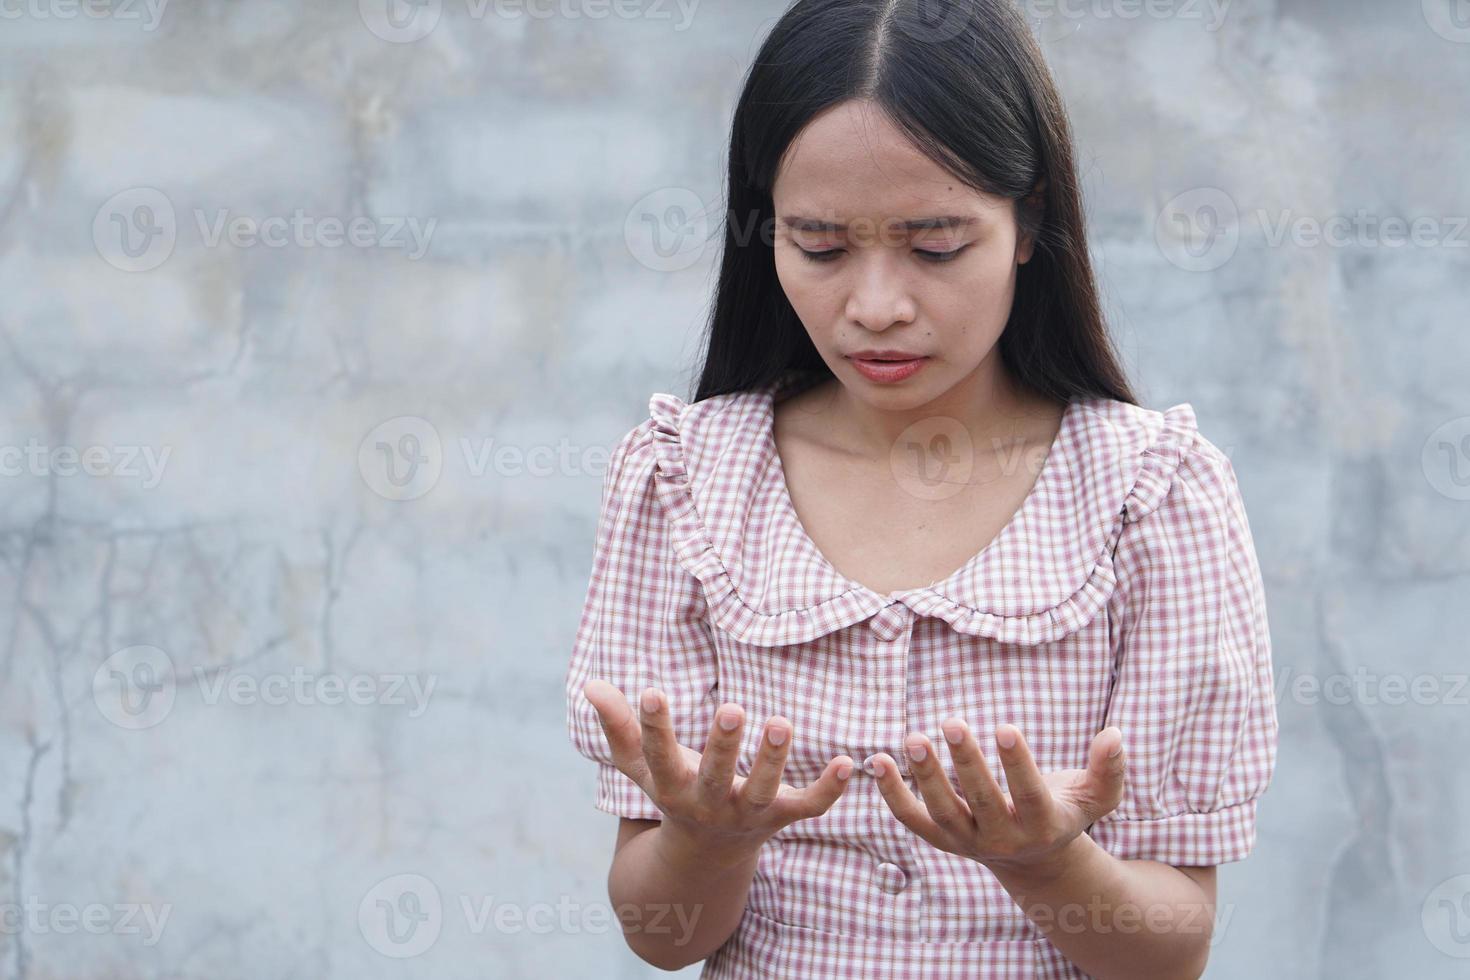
242 467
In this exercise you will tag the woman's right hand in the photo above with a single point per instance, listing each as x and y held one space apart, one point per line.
724 816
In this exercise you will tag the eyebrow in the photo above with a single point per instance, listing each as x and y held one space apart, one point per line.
918 224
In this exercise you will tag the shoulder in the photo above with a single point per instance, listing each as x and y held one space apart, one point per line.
1184 517
1169 461
686 441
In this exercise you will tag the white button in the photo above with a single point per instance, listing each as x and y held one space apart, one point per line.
891 878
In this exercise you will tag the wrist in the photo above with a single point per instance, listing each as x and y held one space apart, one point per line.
685 850
1047 869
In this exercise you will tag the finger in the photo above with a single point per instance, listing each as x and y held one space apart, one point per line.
660 746
764 782
717 764
1029 794
817 797
620 725
943 803
982 793
905 806
1105 772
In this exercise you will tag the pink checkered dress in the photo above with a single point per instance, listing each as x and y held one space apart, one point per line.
1125 591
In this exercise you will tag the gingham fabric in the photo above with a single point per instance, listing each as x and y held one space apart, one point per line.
1124 591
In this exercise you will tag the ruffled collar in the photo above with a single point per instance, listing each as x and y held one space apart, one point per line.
1046 574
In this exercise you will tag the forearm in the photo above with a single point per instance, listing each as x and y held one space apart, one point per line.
1114 918
676 904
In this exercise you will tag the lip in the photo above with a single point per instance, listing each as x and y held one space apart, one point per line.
884 355
887 366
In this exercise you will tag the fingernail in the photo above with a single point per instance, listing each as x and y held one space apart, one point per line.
954 734
777 736
873 766
1116 749
729 719
917 751
844 770
1006 737
650 700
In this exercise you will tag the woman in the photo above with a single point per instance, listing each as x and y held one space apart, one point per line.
914 502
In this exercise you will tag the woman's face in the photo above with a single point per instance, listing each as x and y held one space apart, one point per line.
846 189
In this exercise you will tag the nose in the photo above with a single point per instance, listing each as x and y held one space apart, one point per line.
880 297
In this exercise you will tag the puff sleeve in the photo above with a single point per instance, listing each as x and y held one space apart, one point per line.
1191 688
643 622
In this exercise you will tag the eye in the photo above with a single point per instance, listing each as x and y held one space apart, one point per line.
937 257
831 254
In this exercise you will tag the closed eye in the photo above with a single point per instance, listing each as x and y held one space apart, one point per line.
831 254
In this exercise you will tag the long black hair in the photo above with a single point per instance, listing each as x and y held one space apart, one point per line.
967 83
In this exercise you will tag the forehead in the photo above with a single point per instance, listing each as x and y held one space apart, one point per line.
851 160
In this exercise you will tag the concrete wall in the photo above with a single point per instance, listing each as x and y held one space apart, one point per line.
200 534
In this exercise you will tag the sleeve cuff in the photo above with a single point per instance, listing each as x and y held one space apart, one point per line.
1215 837
618 794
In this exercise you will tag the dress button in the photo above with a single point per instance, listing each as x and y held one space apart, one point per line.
891 878
890 621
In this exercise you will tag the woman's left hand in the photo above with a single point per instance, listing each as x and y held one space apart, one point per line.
1020 830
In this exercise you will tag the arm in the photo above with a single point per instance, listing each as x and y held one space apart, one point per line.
1116 918
674 905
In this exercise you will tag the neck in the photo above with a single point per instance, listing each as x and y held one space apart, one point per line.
987 402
